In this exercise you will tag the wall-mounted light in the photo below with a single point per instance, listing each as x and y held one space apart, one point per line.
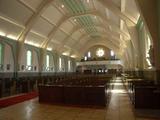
2 34
32 43
89 54
62 6
50 49
73 56
85 58
112 53
65 53
12 37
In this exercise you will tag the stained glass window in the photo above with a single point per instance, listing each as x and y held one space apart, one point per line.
29 58
69 65
112 53
0 53
47 61
100 52
60 64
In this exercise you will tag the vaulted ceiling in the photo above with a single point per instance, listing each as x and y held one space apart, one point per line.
69 26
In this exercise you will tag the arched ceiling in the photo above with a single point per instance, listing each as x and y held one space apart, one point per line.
68 26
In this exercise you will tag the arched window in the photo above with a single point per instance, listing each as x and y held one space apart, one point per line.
52 63
112 53
85 58
89 54
60 63
0 53
69 65
29 58
47 61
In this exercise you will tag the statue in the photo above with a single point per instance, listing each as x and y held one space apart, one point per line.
151 55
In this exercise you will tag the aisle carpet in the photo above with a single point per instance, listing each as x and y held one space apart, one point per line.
4 102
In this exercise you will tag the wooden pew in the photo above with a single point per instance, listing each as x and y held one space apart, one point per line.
51 94
74 95
95 95
147 97
81 90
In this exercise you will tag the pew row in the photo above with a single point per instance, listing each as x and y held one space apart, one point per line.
80 90
144 94
73 95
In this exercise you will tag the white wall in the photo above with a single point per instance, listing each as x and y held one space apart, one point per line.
10 54
8 58
35 61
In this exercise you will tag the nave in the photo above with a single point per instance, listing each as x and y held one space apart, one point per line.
119 108
68 52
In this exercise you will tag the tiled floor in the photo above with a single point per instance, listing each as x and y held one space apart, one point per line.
119 108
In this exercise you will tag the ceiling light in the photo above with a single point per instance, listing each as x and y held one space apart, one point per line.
2 34
75 20
95 17
36 44
32 43
65 53
50 49
62 6
85 58
112 53
87 1
12 37
73 56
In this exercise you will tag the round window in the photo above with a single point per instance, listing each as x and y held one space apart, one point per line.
100 52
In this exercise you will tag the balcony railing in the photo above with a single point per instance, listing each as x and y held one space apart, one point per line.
104 62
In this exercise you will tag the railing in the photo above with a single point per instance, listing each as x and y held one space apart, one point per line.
105 62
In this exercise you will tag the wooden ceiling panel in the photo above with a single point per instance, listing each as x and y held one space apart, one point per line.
52 14
9 29
33 4
42 27
15 10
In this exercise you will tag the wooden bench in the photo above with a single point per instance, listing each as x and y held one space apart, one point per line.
76 95
147 97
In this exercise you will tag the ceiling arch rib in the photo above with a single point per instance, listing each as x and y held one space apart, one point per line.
110 5
76 29
87 35
114 27
106 22
91 43
102 35
81 37
10 20
65 18
29 24
111 39
60 46
107 41
114 46
96 25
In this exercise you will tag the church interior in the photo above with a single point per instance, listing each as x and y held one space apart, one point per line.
79 60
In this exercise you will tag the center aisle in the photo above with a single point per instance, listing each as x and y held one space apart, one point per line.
119 107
